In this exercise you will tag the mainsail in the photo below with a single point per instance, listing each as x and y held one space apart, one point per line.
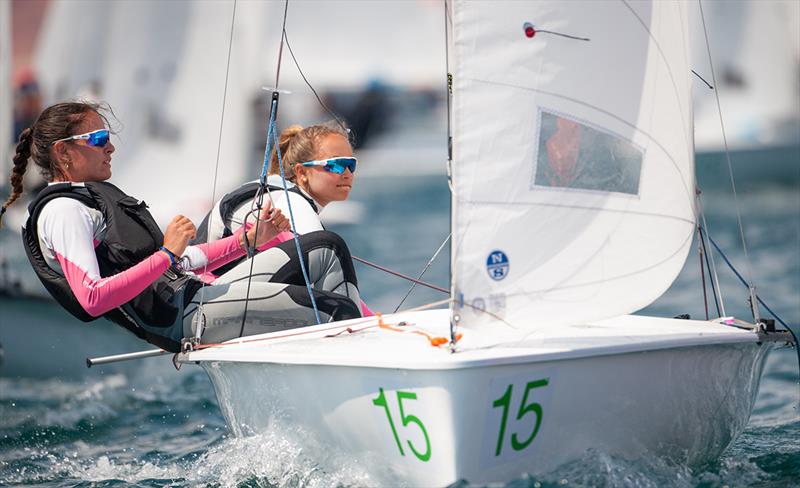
573 169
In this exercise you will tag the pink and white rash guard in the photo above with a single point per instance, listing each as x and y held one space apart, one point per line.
69 232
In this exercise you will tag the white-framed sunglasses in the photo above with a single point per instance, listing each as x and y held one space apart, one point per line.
334 165
96 138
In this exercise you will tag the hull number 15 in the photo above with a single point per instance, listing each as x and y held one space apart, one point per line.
529 414
380 401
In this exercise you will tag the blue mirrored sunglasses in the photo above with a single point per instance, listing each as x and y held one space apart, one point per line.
334 165
96 138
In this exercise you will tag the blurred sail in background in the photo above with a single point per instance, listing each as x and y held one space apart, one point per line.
161 66
6 99
755 49
162 69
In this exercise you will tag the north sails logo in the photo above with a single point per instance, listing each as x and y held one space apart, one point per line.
497 265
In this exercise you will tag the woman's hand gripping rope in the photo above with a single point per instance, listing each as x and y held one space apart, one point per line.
271 222
177 236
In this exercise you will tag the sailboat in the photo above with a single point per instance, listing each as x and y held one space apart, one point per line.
573 206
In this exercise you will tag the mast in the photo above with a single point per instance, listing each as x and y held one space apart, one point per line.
448 26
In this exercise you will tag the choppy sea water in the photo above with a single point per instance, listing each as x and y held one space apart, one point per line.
146 424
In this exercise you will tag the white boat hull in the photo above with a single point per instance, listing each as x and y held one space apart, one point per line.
686 403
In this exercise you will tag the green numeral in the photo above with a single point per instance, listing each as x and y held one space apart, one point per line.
380 401
504 402
524 408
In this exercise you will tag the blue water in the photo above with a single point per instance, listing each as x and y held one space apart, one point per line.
146 424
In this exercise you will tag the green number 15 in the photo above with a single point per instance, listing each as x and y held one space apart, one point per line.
380 401
524 408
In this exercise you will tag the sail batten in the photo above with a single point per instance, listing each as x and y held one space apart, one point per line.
573 170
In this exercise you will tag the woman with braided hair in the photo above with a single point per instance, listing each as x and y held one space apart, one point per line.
99 252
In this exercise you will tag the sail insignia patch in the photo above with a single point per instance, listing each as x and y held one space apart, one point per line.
497 265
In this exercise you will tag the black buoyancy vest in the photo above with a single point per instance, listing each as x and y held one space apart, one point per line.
228 206
132 235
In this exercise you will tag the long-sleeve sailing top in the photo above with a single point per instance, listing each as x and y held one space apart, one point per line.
69 232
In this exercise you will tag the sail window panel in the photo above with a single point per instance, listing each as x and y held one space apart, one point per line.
574 155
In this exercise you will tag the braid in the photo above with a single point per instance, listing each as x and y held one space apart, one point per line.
54 123
21 158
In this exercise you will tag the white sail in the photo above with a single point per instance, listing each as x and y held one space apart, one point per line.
573 166
174 108
162 67
6 101
71 49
